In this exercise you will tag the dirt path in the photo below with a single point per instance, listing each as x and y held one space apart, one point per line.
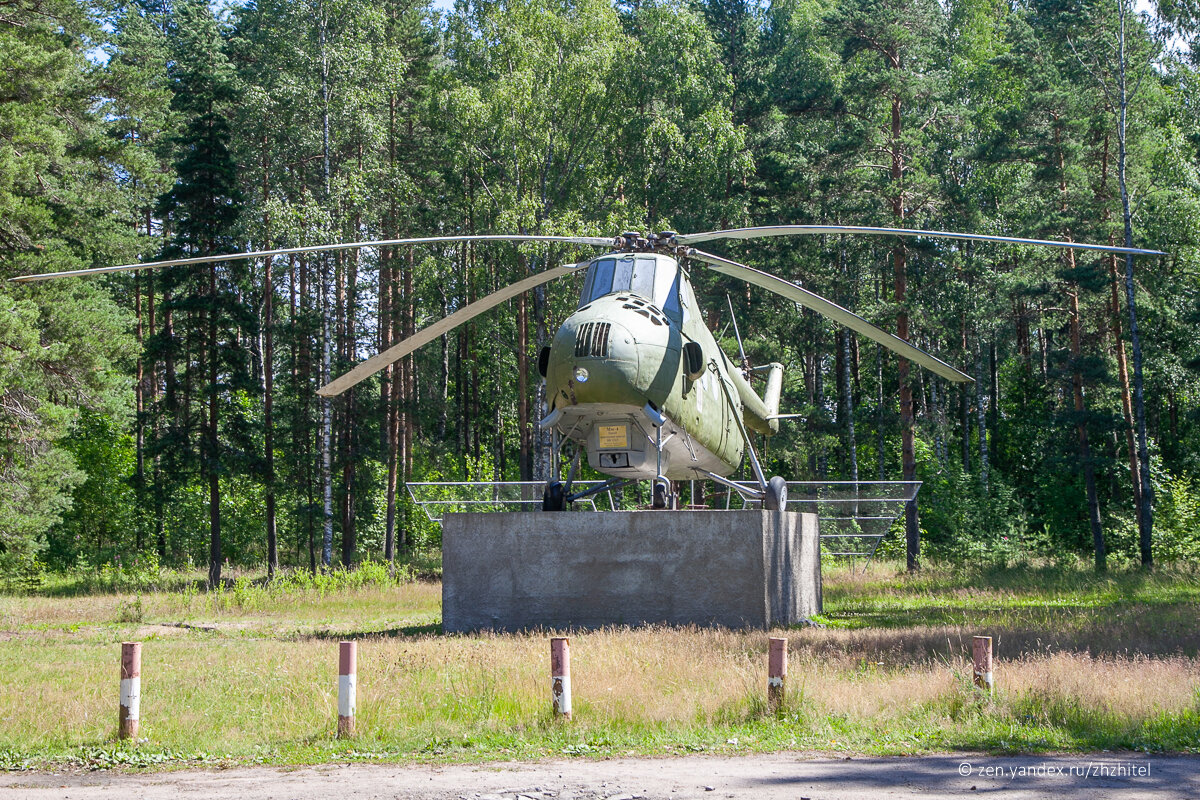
779 776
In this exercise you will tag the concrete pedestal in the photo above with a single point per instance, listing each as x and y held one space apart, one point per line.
738 569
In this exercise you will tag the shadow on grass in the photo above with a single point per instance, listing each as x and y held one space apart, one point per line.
898 637
404 631
85 585
1173 582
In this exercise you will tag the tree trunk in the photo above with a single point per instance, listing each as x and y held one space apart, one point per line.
1146 507
880 440
387 324
326 428
981 419
268 416
304 430
349 532
268 325
1135 479
410 376
525 457
139 481
848 406
213 463
1085 450
326 343
160 533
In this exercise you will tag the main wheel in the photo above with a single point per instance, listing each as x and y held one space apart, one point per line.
662 494
776 497
553 498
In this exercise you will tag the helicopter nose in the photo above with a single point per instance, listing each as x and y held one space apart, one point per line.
618 349
593 360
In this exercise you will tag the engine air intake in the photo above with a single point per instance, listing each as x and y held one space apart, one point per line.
592 340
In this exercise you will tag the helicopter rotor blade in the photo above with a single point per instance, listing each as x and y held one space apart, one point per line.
832 310
736 333
809 230
379 361
320 248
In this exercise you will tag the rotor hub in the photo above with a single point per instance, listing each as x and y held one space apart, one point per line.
635 242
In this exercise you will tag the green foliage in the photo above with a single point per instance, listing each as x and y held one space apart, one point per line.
101 519
968 522
275 125
1177 527
60 345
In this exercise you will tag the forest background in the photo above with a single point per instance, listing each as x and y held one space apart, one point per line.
169 417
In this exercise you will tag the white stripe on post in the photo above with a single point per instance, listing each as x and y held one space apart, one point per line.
560 676
347 686
131 690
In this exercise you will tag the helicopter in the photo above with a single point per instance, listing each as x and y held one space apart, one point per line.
634 378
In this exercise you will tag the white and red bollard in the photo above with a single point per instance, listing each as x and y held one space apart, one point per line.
777 659
560 676
131 690
347 687
981 652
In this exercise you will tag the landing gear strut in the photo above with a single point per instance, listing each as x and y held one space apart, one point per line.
662 496
556 494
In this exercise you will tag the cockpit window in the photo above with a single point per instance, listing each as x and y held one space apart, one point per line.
599 280
640 275
670 301
642 280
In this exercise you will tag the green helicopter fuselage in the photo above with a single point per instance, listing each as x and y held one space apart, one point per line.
636 356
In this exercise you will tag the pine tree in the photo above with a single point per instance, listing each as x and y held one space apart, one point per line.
202 208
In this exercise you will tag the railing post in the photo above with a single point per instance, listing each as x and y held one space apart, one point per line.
981 652
131 690
777 674
560 676
347 680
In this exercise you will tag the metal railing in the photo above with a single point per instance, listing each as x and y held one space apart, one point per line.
439 498
855 516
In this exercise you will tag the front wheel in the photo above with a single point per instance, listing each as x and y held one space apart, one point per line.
776 497
554 498
662 494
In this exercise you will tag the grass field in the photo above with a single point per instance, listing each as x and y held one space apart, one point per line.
248 675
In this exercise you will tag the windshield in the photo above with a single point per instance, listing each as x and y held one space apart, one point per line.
646 276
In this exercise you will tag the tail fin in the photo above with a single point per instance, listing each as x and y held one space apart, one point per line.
761 413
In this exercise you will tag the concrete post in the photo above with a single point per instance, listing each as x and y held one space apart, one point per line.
347 680
560 676
776 674
981 651
131 690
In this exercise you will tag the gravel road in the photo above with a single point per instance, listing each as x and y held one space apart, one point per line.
782 776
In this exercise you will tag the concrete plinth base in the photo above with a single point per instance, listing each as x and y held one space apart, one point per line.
738 569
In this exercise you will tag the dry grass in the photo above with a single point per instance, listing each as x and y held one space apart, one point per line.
258 681
371 609
1135 689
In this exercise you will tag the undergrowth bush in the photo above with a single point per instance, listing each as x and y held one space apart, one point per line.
1177 523
146 574
249 594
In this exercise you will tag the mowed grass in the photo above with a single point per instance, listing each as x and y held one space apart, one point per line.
249 675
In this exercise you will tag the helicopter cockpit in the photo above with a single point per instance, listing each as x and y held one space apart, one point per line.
649 276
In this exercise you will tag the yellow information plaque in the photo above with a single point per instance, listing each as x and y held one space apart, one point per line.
614 437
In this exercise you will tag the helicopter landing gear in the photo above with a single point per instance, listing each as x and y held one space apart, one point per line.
554 498
663 498
775 497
